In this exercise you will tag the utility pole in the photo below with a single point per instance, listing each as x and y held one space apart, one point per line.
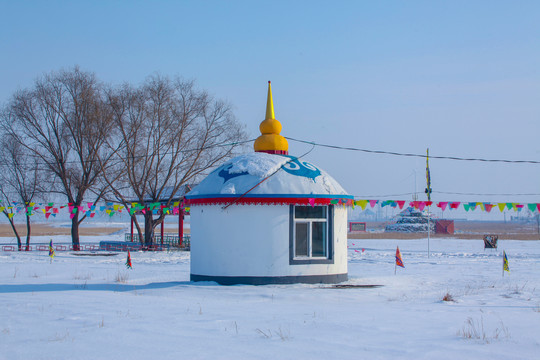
428 192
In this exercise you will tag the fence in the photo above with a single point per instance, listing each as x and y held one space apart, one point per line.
168 239
125 246
45 247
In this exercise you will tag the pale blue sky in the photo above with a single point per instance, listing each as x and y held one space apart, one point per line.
459 77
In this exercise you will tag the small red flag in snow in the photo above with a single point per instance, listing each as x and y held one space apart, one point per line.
399 260
128 261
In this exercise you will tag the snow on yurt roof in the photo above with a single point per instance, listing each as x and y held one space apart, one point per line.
267 175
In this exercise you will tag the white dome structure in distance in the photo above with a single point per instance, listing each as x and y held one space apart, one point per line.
268 218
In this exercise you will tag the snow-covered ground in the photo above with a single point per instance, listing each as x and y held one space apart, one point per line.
92 307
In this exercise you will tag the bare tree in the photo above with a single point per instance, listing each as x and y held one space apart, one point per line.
62 119
168 133
20 180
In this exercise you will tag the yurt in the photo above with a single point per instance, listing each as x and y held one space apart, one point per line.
267 217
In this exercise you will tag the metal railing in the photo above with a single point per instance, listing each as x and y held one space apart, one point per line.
168 239
125 246
45 247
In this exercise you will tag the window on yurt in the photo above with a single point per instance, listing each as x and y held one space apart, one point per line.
310 233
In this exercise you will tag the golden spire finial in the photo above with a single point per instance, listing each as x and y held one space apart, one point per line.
269 103
270 140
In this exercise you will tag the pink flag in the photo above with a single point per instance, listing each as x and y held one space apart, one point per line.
443 205
400 203
311 201
372 203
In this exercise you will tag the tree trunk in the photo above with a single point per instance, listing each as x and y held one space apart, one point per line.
19 244
28 232
75 232
138 227
148 228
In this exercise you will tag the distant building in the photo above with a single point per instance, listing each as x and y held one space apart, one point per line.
444 227
411 220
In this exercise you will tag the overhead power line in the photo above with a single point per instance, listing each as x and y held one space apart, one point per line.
412 155
382 196
477 194
438 192
369 151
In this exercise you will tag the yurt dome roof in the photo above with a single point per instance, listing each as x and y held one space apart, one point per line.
261 175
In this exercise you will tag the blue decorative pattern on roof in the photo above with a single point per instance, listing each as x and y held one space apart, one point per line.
301 168
226 175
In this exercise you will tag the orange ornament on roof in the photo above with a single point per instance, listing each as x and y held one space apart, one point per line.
270 141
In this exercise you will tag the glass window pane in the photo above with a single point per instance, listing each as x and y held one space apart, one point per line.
301 233
310 212
318 239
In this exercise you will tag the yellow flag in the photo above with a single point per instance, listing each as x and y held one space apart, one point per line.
362 203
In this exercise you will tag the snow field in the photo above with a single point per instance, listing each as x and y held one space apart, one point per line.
89 307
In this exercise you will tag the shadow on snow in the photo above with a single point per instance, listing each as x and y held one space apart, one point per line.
26 288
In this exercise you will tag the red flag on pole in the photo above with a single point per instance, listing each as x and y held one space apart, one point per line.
399 260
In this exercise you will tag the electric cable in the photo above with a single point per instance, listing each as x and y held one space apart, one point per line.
412 155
